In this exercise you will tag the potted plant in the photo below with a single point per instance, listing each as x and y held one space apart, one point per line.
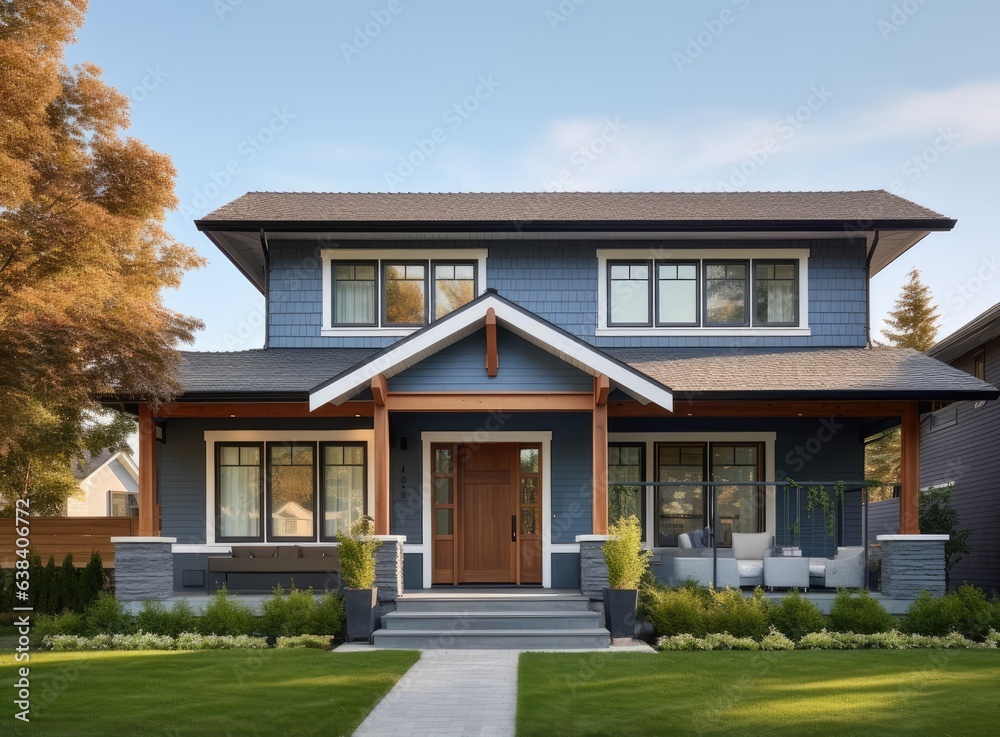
357 571
627 562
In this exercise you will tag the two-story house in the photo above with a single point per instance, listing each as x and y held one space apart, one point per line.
472 369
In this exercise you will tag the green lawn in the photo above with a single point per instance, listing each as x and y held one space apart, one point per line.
175 694
879 693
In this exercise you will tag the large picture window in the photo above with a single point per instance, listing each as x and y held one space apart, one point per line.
704 295
687 506
305 481
391 292
239 490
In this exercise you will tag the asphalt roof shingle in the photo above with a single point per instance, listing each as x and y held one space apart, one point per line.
871 205
701 372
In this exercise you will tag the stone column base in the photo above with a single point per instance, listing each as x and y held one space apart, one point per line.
144 568
389 572
911 564
593 568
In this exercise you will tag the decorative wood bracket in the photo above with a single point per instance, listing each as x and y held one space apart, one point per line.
380 390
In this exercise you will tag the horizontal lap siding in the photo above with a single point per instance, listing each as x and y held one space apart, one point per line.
557 280
523 367
968 454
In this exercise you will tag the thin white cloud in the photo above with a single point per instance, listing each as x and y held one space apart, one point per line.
687 148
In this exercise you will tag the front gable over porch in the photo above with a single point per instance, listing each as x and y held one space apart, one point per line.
434 370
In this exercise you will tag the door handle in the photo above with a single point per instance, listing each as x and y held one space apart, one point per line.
513 528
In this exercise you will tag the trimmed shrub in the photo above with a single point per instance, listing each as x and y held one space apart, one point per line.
731 612
44 586
933 615
6 592
226 615
775 640
358 548
149 641
329 617
107 615
155 618
859 613
67 623
193 641
318 642
288 613
678 612
795 616
68 587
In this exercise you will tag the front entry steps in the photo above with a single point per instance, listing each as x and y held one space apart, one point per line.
539 620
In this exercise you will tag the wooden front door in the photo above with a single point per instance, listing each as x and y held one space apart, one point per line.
487 510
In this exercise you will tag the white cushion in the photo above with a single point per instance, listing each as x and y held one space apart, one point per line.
750 545
750 568
817 566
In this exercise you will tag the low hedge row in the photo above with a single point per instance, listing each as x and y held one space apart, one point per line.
150 641
286 613
698 612
823 640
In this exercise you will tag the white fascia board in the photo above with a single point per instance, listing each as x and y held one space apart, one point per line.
462 324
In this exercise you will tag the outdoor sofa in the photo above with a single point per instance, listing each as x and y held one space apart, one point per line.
278 559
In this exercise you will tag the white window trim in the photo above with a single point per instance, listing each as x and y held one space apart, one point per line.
687 254
543 438
651 439
329 256
264 436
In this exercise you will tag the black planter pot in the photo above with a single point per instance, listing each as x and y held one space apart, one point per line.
619 611
359 605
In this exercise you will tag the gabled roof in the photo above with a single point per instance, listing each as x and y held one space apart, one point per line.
86 467
237 227
744 208
470 319
970 336
797 373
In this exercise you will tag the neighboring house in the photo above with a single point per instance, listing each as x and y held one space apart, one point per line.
960 446
109 486
471 369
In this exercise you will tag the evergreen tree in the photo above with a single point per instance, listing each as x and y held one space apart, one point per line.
91 581
46 591
913 320
69 585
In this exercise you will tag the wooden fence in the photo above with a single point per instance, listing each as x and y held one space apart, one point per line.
57 536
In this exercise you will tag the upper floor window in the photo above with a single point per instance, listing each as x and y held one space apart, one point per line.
705 295
389 292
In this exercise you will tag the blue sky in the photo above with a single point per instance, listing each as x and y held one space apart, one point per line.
394 95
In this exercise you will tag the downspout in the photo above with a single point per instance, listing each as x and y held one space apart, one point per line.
868 290
267 288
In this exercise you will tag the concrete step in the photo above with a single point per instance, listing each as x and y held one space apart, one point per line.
512 639
491 620
492 603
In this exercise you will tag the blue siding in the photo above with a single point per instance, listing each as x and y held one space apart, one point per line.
557 280
522 367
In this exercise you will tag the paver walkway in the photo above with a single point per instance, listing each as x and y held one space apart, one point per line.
450 692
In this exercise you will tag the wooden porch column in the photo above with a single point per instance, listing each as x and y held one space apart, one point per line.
600 494
909 496
147 472
492 359
380 450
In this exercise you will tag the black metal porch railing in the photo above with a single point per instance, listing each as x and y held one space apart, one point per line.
811 517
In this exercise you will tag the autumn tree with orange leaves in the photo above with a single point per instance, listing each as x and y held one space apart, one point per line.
84 257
